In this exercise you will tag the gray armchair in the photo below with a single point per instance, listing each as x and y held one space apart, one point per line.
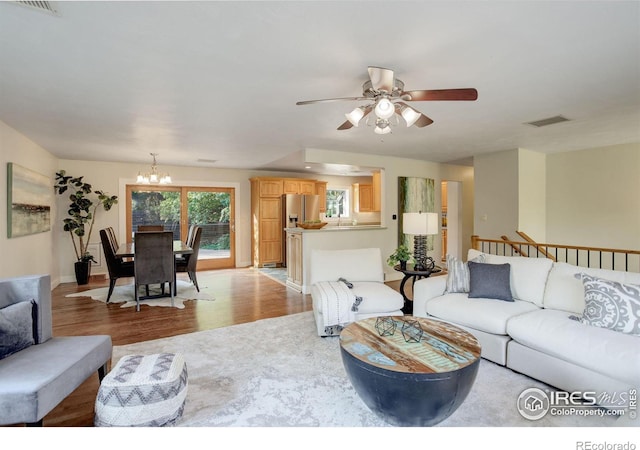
35 379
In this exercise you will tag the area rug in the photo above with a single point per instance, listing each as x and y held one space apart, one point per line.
276 274
279 373
125 294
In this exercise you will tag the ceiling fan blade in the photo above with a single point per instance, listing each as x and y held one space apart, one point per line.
345 126
423 121
309 102
381 78
469 94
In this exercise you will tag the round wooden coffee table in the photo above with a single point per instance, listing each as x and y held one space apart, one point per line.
416 383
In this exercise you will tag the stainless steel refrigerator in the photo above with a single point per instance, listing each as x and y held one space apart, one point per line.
297 208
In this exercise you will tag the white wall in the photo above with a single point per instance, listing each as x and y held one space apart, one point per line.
496 194
531 195
593 197
33 254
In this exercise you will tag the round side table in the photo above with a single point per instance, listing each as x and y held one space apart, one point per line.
410 273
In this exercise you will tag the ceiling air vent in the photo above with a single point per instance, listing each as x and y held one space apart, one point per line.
548 121
46 7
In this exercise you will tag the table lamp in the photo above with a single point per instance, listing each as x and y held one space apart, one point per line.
421 225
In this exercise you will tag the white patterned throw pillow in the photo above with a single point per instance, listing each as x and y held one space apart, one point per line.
612 305
458 273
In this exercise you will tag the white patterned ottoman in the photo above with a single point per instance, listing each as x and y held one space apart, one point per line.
143 391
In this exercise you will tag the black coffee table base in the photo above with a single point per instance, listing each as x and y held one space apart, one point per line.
410 399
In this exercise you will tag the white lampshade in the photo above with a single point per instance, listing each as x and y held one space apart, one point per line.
384 108
420 223
355 116
410 115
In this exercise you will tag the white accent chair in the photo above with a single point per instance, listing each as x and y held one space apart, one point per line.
364 269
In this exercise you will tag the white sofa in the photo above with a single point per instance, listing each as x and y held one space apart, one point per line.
363 268
534 334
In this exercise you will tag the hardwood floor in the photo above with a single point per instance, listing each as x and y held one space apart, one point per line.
241 296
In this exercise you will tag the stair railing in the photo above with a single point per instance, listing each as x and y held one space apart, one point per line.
595 257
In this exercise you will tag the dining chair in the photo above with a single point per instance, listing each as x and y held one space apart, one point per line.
153 262
188 262
116 266
150 227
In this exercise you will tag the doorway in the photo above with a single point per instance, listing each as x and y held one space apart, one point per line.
451 219
176 208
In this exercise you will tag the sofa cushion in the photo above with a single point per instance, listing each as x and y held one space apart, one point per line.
566 293
528 276
612 305
601 350
16 328
490 281
458 273
361 264
482 314
376 297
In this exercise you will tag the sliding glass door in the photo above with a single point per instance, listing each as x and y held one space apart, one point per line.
176 208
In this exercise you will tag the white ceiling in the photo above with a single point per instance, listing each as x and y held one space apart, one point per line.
219 81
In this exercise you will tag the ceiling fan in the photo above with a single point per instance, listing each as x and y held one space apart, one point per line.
387 96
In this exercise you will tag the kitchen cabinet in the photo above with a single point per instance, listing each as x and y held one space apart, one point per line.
294 260
321 191
307 187
266 215
363 197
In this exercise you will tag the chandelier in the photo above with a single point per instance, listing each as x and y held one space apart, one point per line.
384 110
153 176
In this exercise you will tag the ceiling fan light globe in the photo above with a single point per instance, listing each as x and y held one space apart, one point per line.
384 108
355 116
410 115
385 130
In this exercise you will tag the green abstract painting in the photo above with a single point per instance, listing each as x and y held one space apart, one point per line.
414 195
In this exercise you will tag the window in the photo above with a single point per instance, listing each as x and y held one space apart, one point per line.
338 202
176 208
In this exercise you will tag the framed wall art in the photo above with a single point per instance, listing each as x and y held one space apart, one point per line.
29 200
414 195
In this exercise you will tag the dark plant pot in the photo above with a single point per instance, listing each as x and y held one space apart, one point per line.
403 265
83 271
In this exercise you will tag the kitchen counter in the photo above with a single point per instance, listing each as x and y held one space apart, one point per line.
337 228
301 242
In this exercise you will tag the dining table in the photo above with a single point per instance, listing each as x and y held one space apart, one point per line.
127 250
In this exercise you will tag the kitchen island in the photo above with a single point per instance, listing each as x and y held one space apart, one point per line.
300 242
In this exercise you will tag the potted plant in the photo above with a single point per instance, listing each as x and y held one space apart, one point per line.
81 217
400 256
